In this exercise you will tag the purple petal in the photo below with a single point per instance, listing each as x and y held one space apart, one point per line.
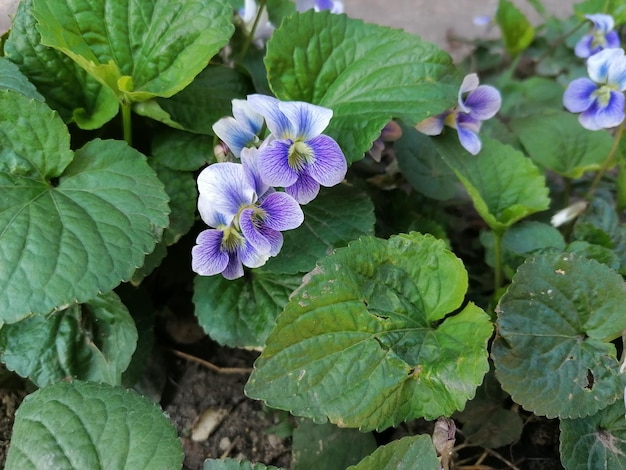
282 212
307 120
207 258
470 83
467 121
612 40
251 257
432 125
234 134
323 4
275 239
277 122
601 22
583 47
329 165
484 102
251 230
250 162
611 115
304 190
224 188
579 95
273 164
234 269
469 140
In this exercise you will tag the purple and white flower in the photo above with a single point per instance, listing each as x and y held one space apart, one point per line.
264 28
241 130
601 37
245 225
297 155
334 6
599 98
481 103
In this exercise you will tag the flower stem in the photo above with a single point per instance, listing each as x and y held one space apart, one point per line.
127 123
497 262
257 20
607 162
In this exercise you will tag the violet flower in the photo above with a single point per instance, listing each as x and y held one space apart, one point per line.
246 226
601 37
241 130
298 156
334 6
481 103
600 98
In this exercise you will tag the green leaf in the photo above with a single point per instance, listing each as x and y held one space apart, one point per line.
421 165
241 313
504 185
91 341
364 343
71 228
12 79
67 88
327 446
531 96
557 141
234 464
367 74
207 99
615 8
402 453
337 216
277 10
517 32
85 425
139 50
555 323
597 441
182 151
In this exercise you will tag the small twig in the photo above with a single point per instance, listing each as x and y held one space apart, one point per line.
210 365
509 464
230 448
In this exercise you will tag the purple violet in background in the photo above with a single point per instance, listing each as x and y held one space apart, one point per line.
481 103
334 6
599 99
601 37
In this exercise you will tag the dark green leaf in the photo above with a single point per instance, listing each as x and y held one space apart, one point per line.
363 342
12 79
182 151
241 313
597 441
555 323
403 453
84 425
367 74
557 141
91 341
337 216
327 446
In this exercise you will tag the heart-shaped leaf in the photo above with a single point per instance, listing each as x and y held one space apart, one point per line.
91 341
139 50
74 224
367 74
90 425
402 453
364 343
553 352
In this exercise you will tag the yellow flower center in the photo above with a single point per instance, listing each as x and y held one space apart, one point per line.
300 155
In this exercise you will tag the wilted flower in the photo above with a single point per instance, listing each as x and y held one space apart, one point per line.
298 156
601 37
481 103
241 130
569 213
600 98
246 226
334 6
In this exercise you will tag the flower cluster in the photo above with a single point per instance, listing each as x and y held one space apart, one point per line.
240 202
475 104
600 98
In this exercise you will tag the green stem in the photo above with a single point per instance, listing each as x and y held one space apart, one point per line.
607 162
621 185
246 45
567 191
497 262
127 123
